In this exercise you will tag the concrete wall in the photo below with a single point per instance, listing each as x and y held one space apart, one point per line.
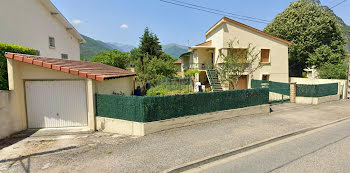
140 129
7 126
30 24
342 88
120 85
316 100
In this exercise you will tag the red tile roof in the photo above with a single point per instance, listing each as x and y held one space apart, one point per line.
179 61
91 70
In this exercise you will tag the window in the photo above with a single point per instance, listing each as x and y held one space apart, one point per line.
265 55
242 53
265 77
52 42
64 56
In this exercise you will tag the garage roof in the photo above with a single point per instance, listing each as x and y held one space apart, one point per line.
91 70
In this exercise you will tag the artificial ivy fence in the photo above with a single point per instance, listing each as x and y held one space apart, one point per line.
276 87
317 90
155 108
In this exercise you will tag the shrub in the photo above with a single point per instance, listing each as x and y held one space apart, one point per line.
4 47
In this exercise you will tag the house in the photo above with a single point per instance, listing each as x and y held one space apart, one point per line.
39 25
177 64
51 93
204 56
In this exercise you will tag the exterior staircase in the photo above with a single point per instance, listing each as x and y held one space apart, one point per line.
214 80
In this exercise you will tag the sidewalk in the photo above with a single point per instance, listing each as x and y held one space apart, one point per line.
161 151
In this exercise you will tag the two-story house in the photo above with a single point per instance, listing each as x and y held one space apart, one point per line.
39 25
273 52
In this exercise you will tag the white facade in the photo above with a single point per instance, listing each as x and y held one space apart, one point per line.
30 23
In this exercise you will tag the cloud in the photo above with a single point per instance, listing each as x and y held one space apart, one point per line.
76 22
124 26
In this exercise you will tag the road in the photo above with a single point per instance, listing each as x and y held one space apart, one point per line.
323 150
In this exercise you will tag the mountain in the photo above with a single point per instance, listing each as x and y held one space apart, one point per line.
92 47
174 50
121 47
343 25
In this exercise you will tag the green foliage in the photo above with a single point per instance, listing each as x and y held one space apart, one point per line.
325 55
308 27
191 73
150 45
332 71
151 64
113 58
155 108
3 62
153 70
237 64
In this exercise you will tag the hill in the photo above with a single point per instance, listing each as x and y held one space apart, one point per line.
174 50
121 47
92 47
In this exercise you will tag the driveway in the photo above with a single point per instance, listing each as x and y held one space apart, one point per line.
102 152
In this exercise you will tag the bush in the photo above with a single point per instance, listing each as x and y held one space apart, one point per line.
163 90
4 47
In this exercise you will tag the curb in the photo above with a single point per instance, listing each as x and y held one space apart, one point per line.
236 151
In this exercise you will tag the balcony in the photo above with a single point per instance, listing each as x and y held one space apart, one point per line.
199 66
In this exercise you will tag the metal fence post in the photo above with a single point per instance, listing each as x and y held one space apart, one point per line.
293 91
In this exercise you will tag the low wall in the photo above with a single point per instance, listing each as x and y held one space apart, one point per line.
144 128
156 108
342 87
7 126
316 100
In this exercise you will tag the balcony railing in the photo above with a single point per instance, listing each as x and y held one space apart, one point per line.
199 66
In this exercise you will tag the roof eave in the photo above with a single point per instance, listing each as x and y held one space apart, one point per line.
226 19
69 27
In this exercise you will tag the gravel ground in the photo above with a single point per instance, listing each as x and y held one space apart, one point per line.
102 152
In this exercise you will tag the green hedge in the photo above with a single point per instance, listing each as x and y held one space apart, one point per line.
155 108
276 87
319 90
3 63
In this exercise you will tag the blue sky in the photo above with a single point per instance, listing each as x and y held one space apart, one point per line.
123 21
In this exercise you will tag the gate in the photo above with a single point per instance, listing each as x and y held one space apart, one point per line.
279 92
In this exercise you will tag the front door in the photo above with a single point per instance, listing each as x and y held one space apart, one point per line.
242 83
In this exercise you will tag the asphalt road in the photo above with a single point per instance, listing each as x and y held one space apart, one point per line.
324 150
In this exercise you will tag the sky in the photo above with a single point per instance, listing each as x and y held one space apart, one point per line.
124 21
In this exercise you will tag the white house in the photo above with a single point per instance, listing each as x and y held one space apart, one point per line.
39 25
204 56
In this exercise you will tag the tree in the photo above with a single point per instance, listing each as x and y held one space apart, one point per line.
151 63
153 70
332 71
238 62
310 29
113 58
150 44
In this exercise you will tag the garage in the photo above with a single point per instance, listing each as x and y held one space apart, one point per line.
56 103
57 93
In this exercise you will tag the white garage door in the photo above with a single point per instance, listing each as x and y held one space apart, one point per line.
56 104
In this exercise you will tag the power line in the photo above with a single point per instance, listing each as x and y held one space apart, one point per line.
220 11
208 11
338 4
